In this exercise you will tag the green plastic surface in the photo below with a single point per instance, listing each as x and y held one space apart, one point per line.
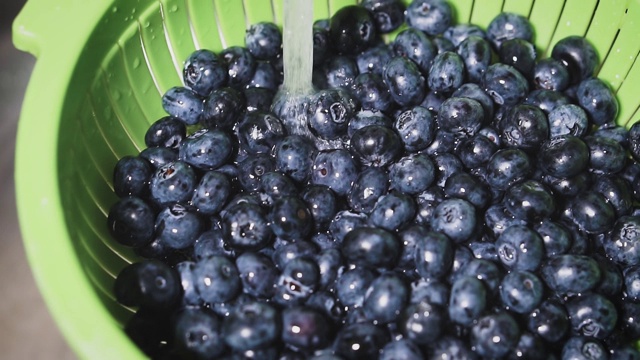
102 68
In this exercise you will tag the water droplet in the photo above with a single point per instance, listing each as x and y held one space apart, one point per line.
173 8
116 95
147 24
136 63
114 9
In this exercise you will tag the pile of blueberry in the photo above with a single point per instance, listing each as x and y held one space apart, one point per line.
468 200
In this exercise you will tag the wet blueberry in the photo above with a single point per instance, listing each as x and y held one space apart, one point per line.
507 26
371 184
446 73
372 247
456 218
431 16
184 104
251 326
352 30
149 284
405 81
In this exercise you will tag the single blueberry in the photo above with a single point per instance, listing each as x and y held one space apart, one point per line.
494 335
322 203
546 100
590 212
290 219
351 285
521 291
462 185
197 333
385 298
578 55
476 54
340 71
217 279
475 151
360 341
519 53
549 320
174 182
178 227
422 322
412 174
149 284
597 99
223 108
550 74
263 40
461 116
431 16
211 193
456 218
257 273
505 84
245 227
204 71
251 326
592 315
605 155
416 127
352 30
529 200
387 14
570 274
344 222
375 145
305 328
241 65
300 277
184 104
159 156
206 149
336 169
446 73
165 132
374 59
371 91
371 184
415 45
556 237
329 113
582 347
405 81
131 176
372 247
524 127
507 167
506 26
251 170
623 244
258 132
456 34
288 251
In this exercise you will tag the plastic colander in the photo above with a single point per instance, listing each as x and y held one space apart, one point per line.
102 68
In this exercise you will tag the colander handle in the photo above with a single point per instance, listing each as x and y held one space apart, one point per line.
53 22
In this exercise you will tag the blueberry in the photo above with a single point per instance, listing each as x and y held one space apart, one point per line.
241 65
634 139
401 350
263 40
330 263
456 218
211 193
449 347
245 227
546 100
371 184
590 212
475 151
521 291
385 298
190 295
184 104
529 200
507 26
524 127
612 280
442 44
581 347
415 45
352 30
351 286
258 98
266 76
467 301
290 218
204 71
431 16
251 326
173 182
433 100
446 164
374 59
412 174
294 156
616 192
592 315
321 45
372 247
459 32
159 156
531 347
217 279
344 222
570 274
623 244
409 237
364 118
426 203
416 128
486 271
507 167
446 73
149 284
321 202
360 341
251 170
461 116
336 169
550 74
375 145
505 84
598 101
223 108
497 219
206 149
131 176
443 142
578 55
462 185
494 335
305 328
300 277
570 186
288 251
165 132
549 320
177 227
556 237
422 322
405 81
520 248
519 53
257 273
387 14
563 156
475 52
276 185
258 132
605 155
371 91
197 333
340 71
329 112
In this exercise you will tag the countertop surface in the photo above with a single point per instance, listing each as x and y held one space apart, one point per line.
28 331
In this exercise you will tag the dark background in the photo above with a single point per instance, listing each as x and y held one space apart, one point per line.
27 331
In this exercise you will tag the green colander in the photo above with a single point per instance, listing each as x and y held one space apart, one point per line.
102 68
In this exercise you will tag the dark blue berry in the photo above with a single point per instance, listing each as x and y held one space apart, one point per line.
352 30
131 176
241 65
385 298
405 81
217 279
371 184
431 16
264 40
223 108
415 45
549 320
305 328
578 55
184 104
251 326
150 284
550 74
372 247
505 84
335 169
476 53
177 227
446 73
520 248
211 193
197 333
456 218
206 149
245 227
521 291
322 203
570 274
416 128
165 132
507 26
257 273
204 71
